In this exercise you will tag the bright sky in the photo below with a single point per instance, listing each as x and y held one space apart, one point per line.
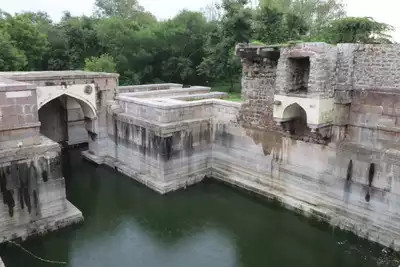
381 10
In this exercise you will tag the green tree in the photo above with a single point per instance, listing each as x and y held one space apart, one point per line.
357 30
183 39
119 8
234 27
130 45
75 39
25 34
315 15
11 58
104 63
269 25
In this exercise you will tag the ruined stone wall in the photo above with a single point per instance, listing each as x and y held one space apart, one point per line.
258 85
353 181
376 89
322 69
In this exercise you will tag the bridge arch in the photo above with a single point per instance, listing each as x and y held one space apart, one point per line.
88 109
66 117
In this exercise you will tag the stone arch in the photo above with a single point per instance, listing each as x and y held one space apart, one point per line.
294 119
88 109
66 118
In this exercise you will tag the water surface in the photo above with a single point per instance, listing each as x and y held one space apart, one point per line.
210 224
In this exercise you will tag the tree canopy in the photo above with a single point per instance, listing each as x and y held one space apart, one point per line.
190 48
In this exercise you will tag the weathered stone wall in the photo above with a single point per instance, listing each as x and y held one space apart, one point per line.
356 175
19 124
322 69
31 184
33 192
258 85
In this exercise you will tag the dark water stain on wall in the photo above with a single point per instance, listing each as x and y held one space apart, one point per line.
44 170
166 147
348 182
371 174
188 143
8 199
21 179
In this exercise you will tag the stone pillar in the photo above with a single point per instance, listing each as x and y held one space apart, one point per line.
258 85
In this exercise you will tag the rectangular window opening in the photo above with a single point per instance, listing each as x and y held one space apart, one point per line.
299 74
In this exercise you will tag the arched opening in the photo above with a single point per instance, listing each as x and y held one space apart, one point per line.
295 120
63 120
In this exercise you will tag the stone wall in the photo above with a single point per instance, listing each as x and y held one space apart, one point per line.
18 114
352 181
31 184
321 69
258 85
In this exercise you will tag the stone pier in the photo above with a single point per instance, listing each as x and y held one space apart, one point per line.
31 182
39 113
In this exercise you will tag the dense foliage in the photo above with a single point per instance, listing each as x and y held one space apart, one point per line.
191 48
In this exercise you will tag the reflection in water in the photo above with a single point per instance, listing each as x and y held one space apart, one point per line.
209 224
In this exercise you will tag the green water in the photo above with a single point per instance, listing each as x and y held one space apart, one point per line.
210 224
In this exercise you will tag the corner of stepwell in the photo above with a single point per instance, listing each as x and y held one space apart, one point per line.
318 130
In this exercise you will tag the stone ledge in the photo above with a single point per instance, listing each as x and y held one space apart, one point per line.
93 158
55 75
24 126
71 215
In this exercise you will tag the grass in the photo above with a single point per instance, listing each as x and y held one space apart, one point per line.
234 96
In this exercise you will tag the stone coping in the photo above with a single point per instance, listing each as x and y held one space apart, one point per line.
12 85
151 86
181 104
196 97
166 92
50 75
17 127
